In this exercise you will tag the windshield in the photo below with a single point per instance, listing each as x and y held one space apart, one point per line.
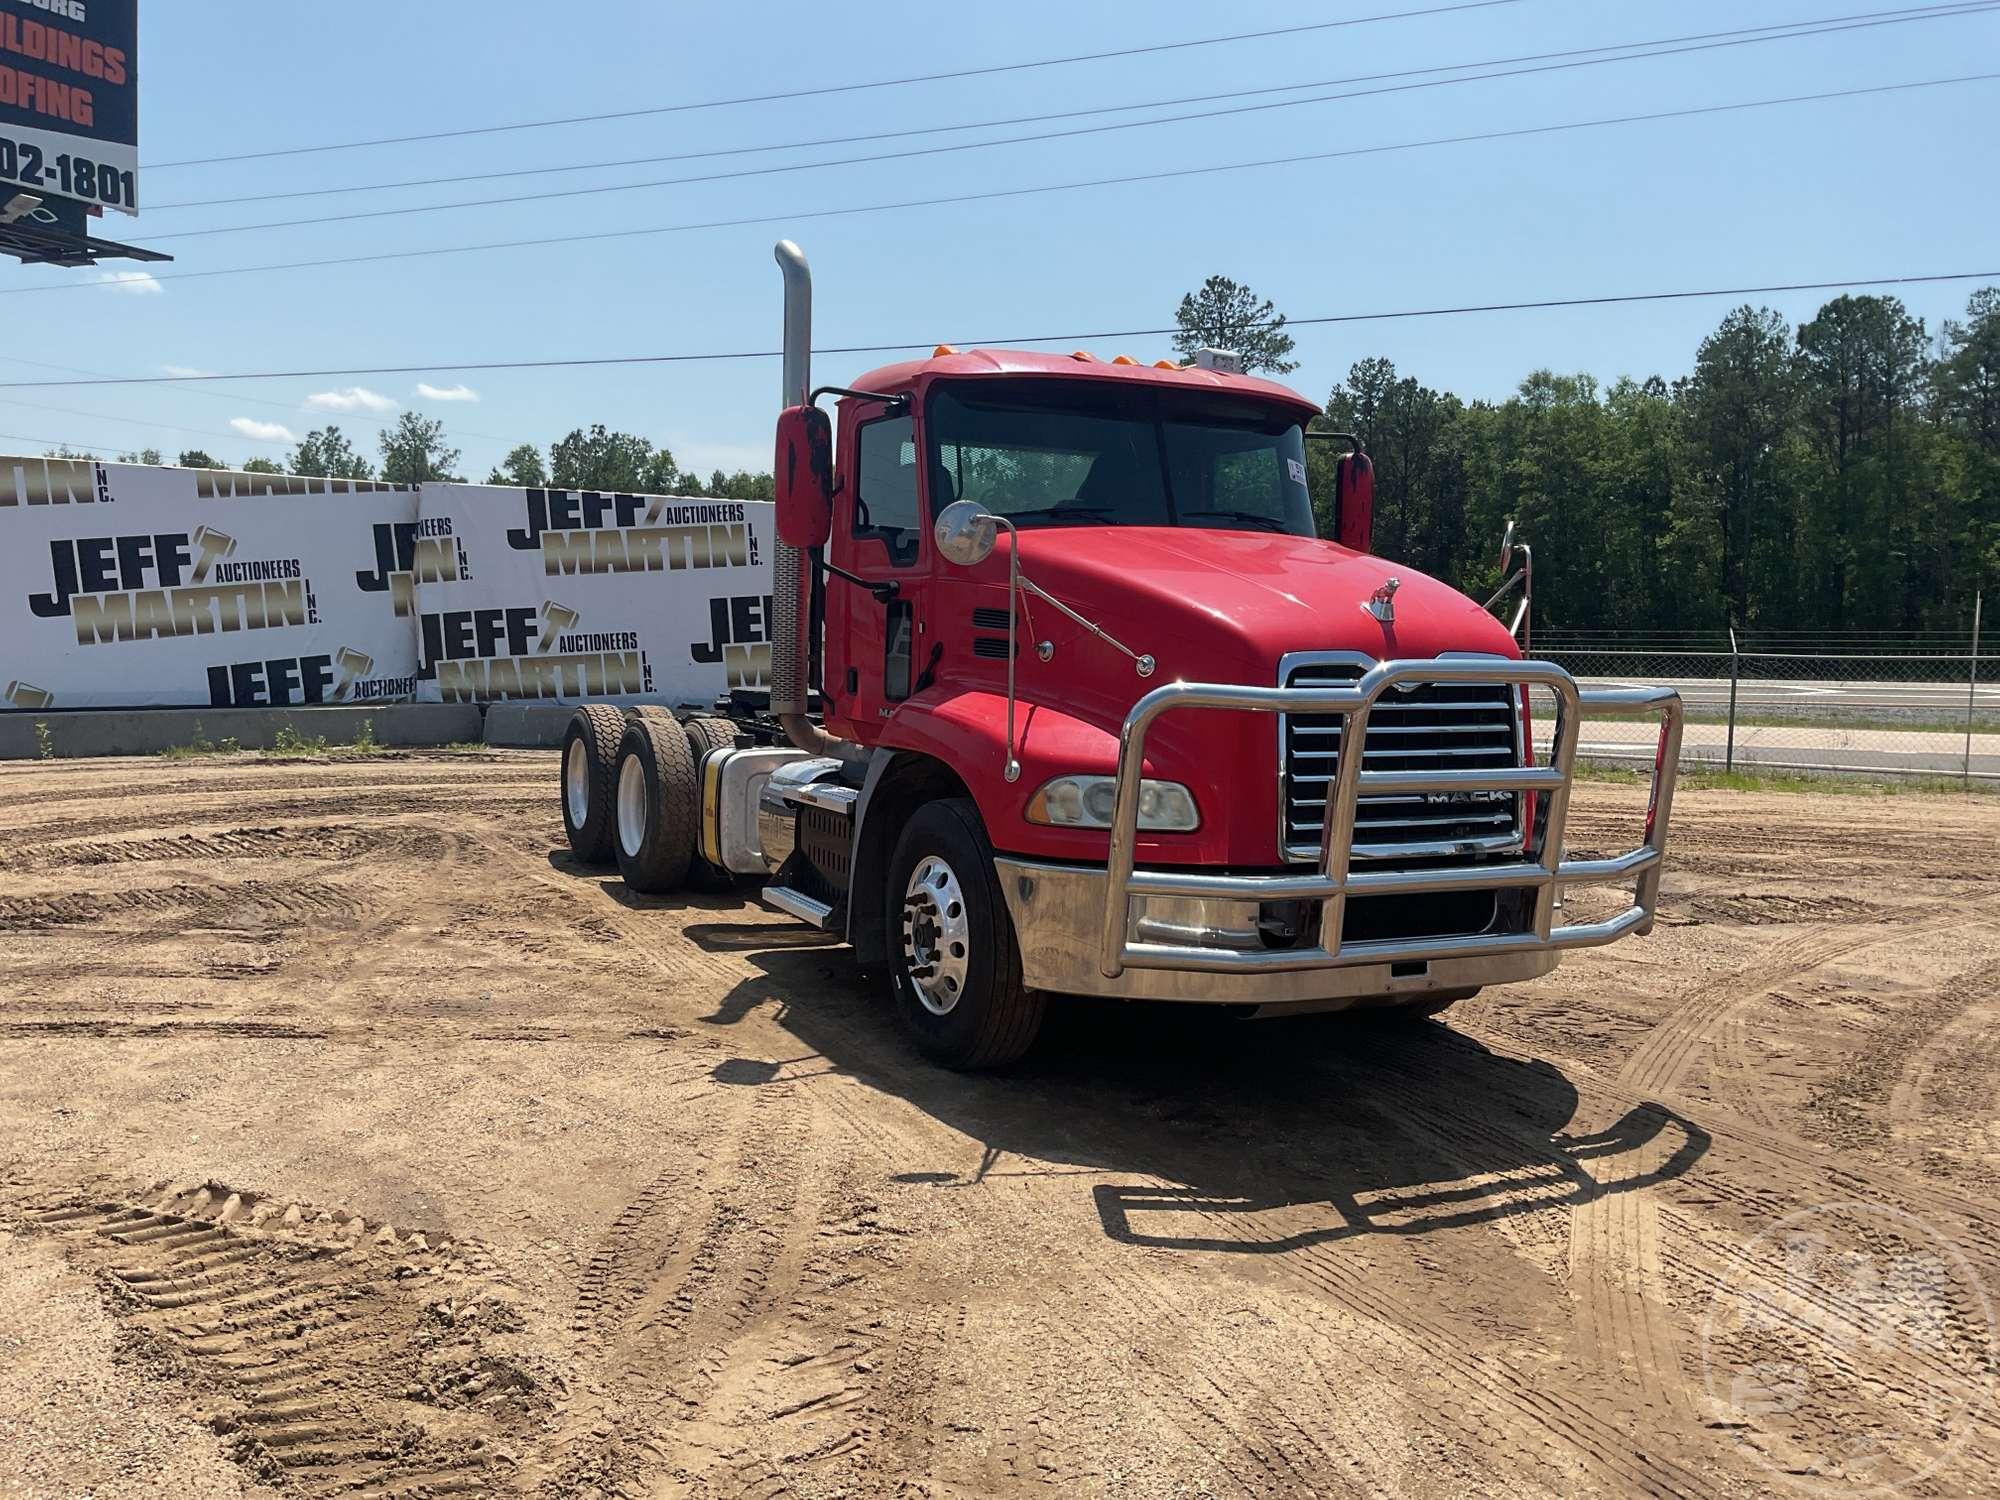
1082 453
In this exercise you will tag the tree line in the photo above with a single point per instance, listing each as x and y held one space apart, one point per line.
416 450
1840 475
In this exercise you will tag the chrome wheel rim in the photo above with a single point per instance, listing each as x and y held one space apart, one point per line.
631 806
937 942
576 782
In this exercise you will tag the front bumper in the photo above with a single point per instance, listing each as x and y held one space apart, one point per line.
1148 953
1055 910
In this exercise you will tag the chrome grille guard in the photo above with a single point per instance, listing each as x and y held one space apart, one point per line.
1540 870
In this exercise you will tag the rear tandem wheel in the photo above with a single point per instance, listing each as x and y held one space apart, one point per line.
657 804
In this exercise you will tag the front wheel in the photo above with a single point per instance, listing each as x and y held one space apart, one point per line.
954 968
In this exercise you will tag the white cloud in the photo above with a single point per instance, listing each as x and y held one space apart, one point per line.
446 392
131 283
354 398
184 372
263 432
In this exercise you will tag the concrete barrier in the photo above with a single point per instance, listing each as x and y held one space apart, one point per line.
148 731
527 725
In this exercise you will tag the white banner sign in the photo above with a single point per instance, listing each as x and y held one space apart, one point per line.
124 585
131 586
563 595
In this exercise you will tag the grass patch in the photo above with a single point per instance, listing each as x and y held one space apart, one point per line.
200 747
289 744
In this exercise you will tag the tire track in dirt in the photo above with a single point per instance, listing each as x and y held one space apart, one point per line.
1617 1287
1277 1455
304 901
302 841
314 1331
1660 1063
1970 1029
685 1269
334 799
1257 1447
1517 1405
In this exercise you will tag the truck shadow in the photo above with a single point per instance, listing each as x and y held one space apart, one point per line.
1211 1134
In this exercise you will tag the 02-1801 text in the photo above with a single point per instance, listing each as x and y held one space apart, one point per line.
74 177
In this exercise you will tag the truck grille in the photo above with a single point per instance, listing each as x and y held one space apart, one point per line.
1434 726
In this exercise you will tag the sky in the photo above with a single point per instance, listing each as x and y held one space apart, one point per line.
1891 184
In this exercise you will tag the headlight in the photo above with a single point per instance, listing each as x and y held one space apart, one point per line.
1086 802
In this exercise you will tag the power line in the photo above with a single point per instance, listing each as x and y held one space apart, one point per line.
838 88
1047 135
233 398
799 216
1019 339
104 416
1799 28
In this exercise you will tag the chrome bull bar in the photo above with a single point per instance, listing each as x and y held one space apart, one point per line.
1541 869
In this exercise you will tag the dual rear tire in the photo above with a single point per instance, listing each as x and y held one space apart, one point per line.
631 794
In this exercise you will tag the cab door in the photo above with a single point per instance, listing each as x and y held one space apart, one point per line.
875 628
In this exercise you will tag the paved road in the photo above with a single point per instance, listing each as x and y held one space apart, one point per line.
1929 701
1796 746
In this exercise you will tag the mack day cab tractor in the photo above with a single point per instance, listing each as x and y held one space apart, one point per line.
1064 694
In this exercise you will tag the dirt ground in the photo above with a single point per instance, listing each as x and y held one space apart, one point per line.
352 1139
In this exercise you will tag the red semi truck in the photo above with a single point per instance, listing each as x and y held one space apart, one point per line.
1063 689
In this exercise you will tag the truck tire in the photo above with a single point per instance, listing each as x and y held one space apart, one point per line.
706 734
954 966
655 805
590 780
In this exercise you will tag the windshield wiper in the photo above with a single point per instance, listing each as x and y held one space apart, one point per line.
1242 518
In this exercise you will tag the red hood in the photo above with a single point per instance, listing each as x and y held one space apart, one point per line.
1196 599
1209 606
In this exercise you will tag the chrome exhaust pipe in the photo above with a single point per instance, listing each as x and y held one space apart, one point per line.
790 617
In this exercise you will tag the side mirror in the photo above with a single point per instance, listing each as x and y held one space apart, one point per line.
1354 502
965 534
1507 548
803 476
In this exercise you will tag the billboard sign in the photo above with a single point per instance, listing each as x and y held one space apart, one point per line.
69 100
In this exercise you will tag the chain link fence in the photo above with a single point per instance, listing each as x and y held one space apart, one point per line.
1924 706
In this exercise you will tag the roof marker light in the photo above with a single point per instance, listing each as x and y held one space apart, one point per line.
1124 359
1166 364
942 350
1084 356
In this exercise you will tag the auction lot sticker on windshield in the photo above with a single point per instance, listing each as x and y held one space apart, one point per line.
69 100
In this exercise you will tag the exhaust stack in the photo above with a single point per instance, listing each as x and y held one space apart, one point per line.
790 617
